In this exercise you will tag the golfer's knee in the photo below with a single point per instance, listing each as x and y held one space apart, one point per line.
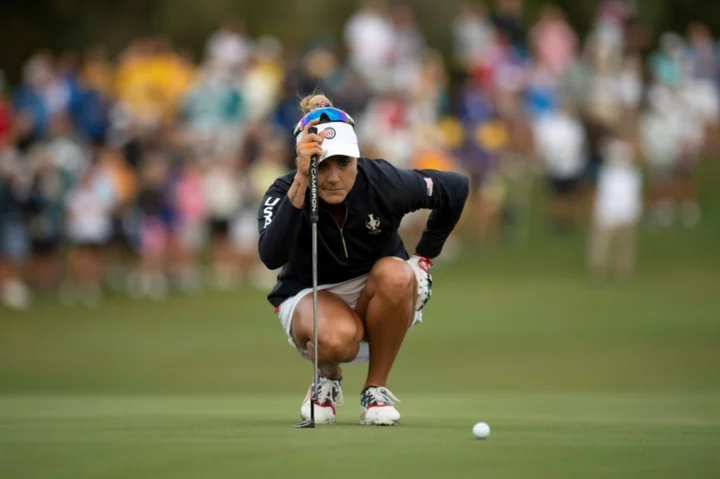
394 279
340 342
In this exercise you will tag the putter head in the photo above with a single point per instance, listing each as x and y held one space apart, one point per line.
305 424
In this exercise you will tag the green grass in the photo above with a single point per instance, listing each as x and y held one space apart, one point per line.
534 435
576 379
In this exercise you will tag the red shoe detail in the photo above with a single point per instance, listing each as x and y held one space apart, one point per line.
307 397
326 405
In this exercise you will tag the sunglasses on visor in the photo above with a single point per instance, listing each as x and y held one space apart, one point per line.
326 115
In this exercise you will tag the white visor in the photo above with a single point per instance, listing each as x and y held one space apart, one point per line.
340 140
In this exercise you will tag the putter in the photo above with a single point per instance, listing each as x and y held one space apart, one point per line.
314 215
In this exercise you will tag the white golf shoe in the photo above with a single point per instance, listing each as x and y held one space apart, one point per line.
377 407
329 397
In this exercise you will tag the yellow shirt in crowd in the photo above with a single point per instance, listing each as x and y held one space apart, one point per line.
152 86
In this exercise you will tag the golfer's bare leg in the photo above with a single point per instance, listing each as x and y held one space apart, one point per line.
387 306
340 331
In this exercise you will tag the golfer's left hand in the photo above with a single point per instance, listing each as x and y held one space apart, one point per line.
421 262
421 266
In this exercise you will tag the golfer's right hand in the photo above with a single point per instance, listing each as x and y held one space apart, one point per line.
310 144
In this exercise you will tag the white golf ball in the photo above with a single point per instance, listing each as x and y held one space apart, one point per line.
481 430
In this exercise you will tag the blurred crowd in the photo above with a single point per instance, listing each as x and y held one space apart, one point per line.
142 172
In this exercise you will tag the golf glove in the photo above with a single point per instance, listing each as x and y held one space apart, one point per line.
421 266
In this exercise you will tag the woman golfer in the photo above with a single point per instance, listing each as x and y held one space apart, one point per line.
369 290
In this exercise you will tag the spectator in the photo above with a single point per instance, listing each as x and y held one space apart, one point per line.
387 117
660 145
543 94
151 81
36 99
98 71
66 151
674 115
370 39
501 55
704 58
45 218
431 152
428 93
191 208
89 227
213 110
553 41
124 186
409 47
271 164
517 166
229 49
667 65
6 115
263 81
508 20
157 221
286 113
561 144
323 69
474 109
135 86
15 184
473 35
607 36
66 80
617 208
224 190
490 196
173 74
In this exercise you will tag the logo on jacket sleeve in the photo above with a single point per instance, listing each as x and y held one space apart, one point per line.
268 211
429 185
373 225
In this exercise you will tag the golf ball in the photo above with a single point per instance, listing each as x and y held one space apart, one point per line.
481 430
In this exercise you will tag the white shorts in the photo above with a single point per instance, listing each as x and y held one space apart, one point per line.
349 291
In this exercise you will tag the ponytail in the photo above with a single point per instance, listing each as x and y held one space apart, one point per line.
313 102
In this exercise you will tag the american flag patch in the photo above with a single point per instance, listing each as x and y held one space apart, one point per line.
429 184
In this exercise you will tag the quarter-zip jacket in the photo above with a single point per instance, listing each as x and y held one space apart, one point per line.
377 202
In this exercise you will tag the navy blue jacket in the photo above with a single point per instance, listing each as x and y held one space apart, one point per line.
377 202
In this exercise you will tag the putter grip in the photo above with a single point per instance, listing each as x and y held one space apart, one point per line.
314 207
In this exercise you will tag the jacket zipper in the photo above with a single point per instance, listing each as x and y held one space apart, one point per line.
342 236
340 228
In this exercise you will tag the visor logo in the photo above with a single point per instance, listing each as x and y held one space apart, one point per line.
330 133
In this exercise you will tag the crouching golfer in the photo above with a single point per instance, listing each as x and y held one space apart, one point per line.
369 289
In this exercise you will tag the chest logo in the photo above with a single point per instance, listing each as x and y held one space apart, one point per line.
373 225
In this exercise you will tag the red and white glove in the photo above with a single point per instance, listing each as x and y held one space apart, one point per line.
421 265
421 262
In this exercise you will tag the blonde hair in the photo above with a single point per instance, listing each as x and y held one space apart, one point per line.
313 102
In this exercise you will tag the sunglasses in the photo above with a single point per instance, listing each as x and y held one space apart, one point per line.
326 115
